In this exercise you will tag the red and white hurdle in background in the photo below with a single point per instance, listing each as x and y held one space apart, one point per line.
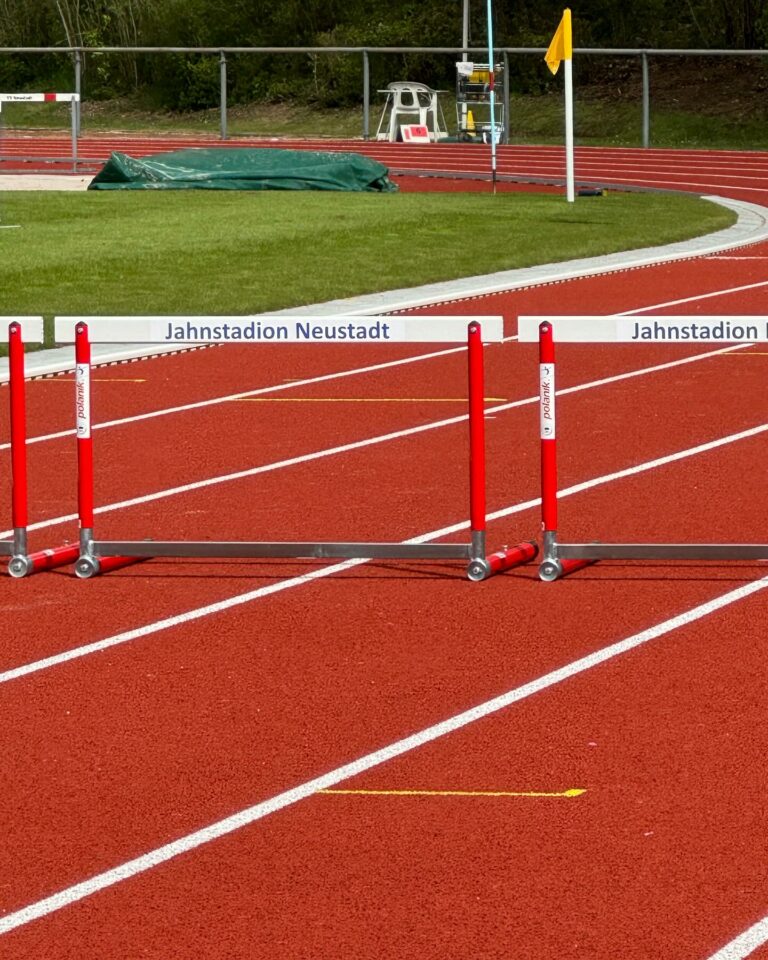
73 99
39 97
560 558
18 331
97 556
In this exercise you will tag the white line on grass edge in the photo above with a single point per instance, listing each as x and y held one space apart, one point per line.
249 815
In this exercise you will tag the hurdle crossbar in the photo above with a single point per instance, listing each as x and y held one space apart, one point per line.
15 331
559 558
73 99
96 556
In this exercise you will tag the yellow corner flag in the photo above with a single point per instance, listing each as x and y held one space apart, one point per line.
561 47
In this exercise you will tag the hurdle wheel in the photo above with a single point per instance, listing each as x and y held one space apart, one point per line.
550 570
19 567
86 567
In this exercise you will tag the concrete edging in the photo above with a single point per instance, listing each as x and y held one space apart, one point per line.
751 227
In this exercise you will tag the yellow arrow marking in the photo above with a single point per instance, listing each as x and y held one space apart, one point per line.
572 792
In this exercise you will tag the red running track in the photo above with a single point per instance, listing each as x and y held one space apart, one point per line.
160 793
737 173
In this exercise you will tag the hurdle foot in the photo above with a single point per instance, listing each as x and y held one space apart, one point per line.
89 566
505 559
86 567
19 567
23 566
551 570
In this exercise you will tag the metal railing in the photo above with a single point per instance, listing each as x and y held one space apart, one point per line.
644 55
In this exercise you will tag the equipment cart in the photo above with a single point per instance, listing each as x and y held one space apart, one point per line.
473 101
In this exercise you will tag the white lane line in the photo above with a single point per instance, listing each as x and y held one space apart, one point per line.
699 296
624 172
746 943
199 404
710 185
249 815
648 465
174 621
371 441
16 673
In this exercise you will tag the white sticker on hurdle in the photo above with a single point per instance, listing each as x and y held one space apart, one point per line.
31 328
547 401
83 401
280 329
671 329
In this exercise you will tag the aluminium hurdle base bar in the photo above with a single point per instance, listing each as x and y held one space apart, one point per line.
95 554
22 563
558 558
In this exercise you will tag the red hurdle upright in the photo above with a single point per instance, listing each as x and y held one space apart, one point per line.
561 558
85 474
23 563
97 556
552 566
482 566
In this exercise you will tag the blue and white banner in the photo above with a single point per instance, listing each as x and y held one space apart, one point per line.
680 329
279 329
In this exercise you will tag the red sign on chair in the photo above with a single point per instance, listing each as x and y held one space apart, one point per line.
415 133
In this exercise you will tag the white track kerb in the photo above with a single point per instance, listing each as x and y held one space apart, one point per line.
99 556
752 227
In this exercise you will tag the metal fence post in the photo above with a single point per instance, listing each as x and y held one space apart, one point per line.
366 96
78 91
73 104
646 102
223 95
505 131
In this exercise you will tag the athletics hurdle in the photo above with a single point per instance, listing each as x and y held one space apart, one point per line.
73 99
19 330
558 558
96 555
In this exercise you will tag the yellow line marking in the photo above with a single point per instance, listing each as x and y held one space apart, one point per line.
748 353
361 399
572 792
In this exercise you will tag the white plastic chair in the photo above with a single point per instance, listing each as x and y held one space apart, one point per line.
409 102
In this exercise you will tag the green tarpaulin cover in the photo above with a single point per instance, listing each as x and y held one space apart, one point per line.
239 168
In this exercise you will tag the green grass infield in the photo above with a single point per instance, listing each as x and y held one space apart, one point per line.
209 252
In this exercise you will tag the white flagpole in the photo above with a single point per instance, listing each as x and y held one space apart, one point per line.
570 192
492 97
